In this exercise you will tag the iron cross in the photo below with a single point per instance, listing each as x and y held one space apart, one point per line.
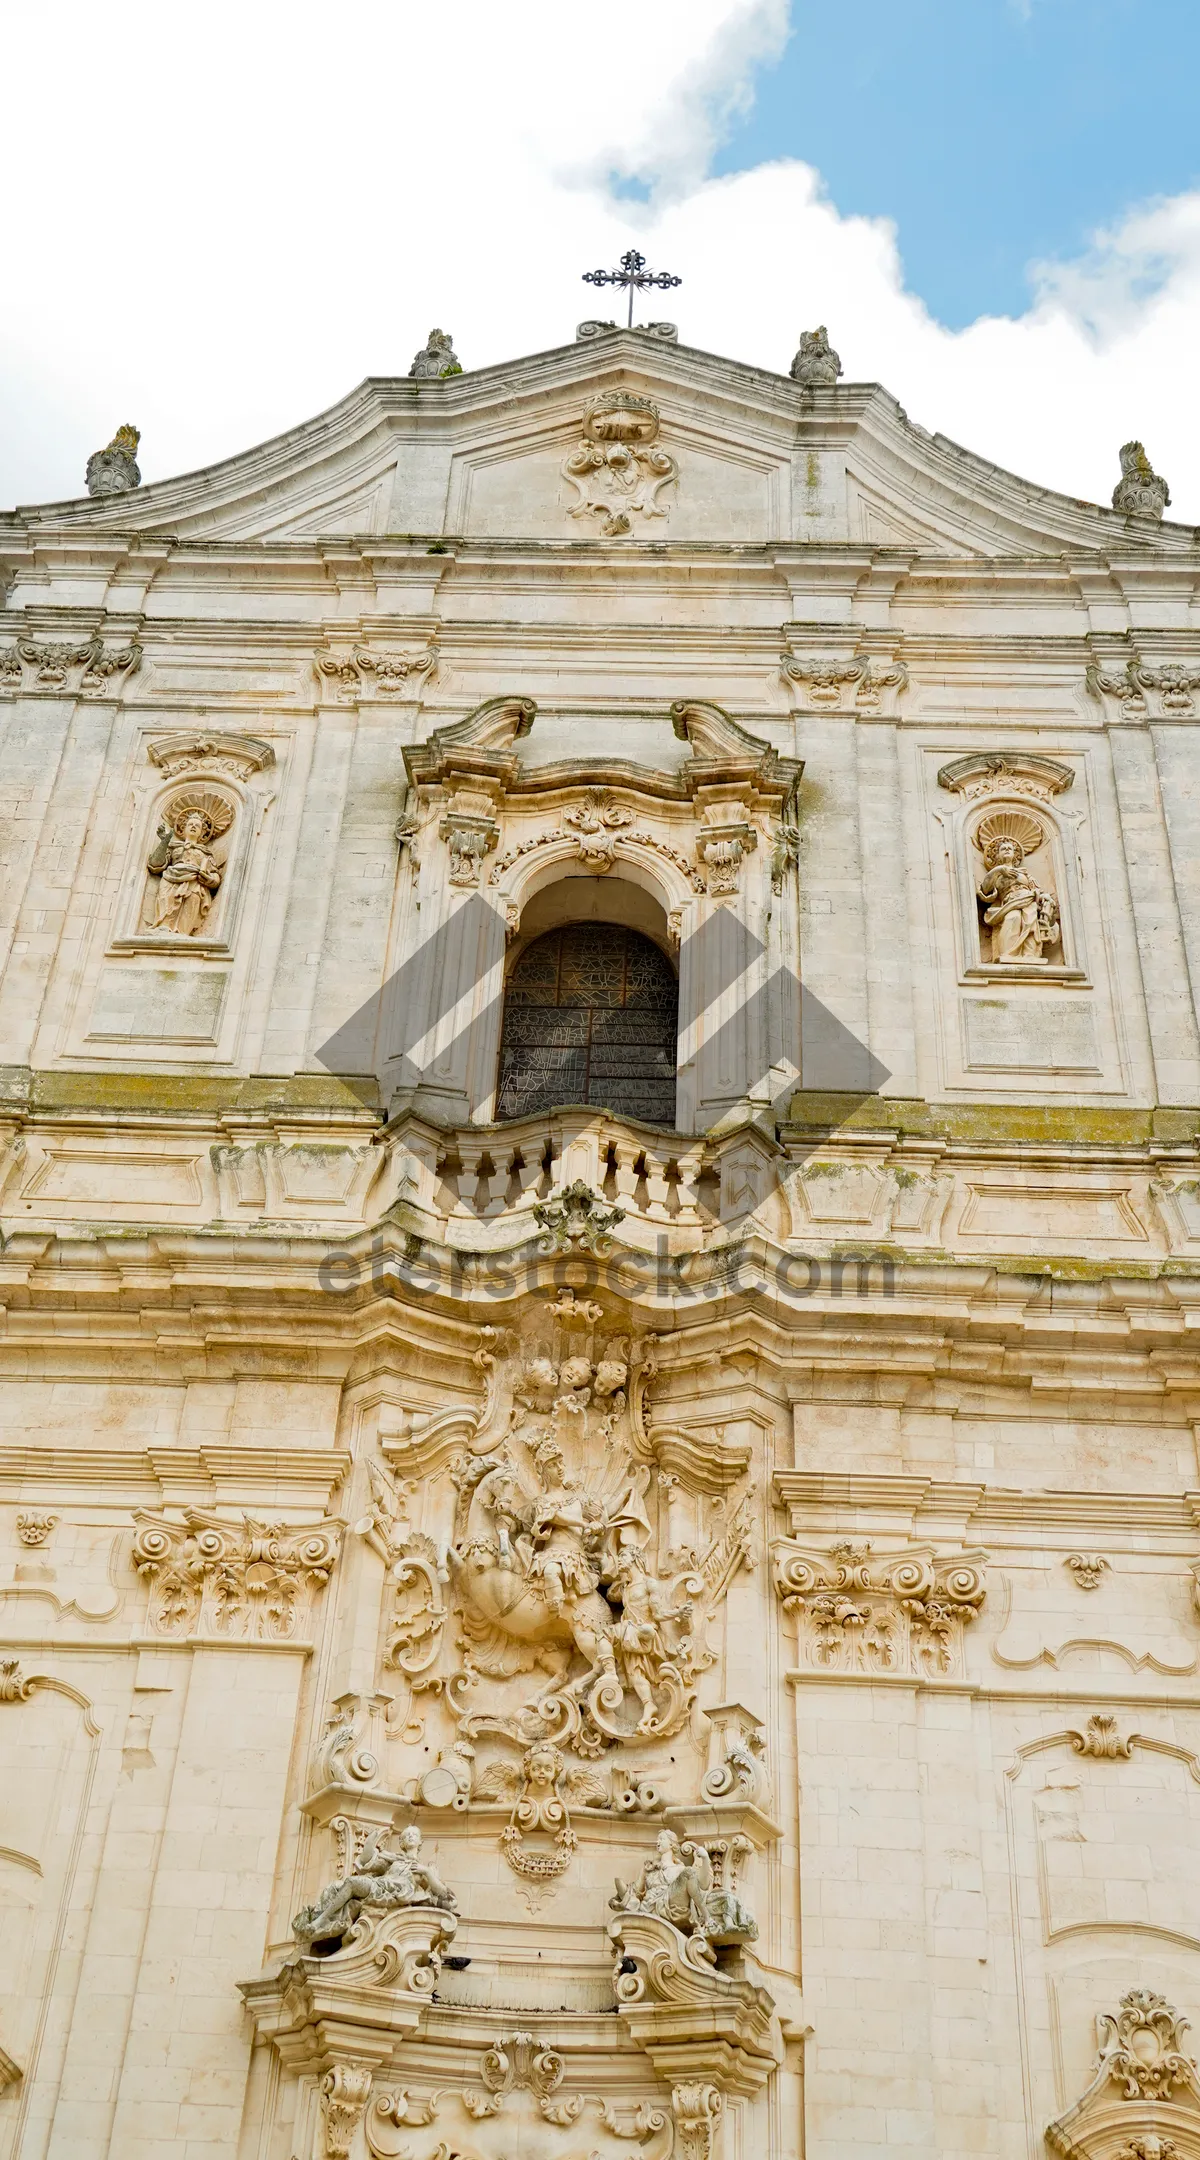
634 274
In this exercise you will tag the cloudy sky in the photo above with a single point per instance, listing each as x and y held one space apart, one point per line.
220 218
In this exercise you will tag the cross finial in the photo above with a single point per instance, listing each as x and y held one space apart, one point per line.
633 274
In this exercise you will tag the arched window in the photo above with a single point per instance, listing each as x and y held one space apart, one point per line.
591 1014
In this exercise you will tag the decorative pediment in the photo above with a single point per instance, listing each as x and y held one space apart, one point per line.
1144 2101
1006 772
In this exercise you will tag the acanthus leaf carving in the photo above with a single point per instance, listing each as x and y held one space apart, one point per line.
392 672
1102 1739
824 677
900 1612
92 665
250 1580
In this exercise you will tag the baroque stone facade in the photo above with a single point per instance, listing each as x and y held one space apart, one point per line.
600 1187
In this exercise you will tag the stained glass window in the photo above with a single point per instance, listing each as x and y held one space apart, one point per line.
591 1015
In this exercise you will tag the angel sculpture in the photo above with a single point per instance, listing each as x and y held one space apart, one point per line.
676 1884
540 1789
379 1879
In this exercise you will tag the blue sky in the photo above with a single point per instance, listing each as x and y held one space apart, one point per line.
994 133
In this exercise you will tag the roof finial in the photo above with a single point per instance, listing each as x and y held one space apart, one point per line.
1140 491
436 359
816 365
114 470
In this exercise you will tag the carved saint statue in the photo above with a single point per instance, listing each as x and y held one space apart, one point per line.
379 1879
1022 917
187 867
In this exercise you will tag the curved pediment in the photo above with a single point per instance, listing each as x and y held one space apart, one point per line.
615 444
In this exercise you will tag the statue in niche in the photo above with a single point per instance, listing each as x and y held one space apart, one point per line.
378 1878
186 862
1021 916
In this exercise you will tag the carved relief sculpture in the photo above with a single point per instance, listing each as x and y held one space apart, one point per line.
901 1612
1020 918
816 365
114 470
249 1579
187 862
379 1880
1140 492
619 471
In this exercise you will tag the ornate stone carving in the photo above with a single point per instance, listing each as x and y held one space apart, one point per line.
1139 492
726 837
1087 1569
678 1884
416 1612
34 1526
518 2064
186 864
1125 686
344 2095
596 821
666 332
1007 772
339 1759
1021 916
1144 2088
352 2007
577 1218
902 1612
555 1568
393 673
114 470
541 1789
619 471
697 2110
1103 1739
249 1579
32 665
470 832
237 756
379 1881
825 679
1174 682
14 1687
741 1772
687 2012
816 365
436 359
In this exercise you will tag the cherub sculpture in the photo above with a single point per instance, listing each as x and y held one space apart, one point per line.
379 1879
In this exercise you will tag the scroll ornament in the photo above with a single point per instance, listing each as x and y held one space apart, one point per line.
901 1612
1144 2101
250 1580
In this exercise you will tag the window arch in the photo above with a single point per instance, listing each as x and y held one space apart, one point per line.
591 1015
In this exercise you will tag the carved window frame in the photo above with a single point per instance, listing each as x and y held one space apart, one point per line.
130 933
1061 826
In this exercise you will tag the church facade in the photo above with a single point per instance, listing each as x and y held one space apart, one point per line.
600 1188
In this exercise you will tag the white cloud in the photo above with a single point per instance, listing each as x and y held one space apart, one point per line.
220 219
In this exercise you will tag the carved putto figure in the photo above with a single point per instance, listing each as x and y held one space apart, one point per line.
378 1878
436 359
185 864
114 470
816 365
1022 916
1140 491
619 470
